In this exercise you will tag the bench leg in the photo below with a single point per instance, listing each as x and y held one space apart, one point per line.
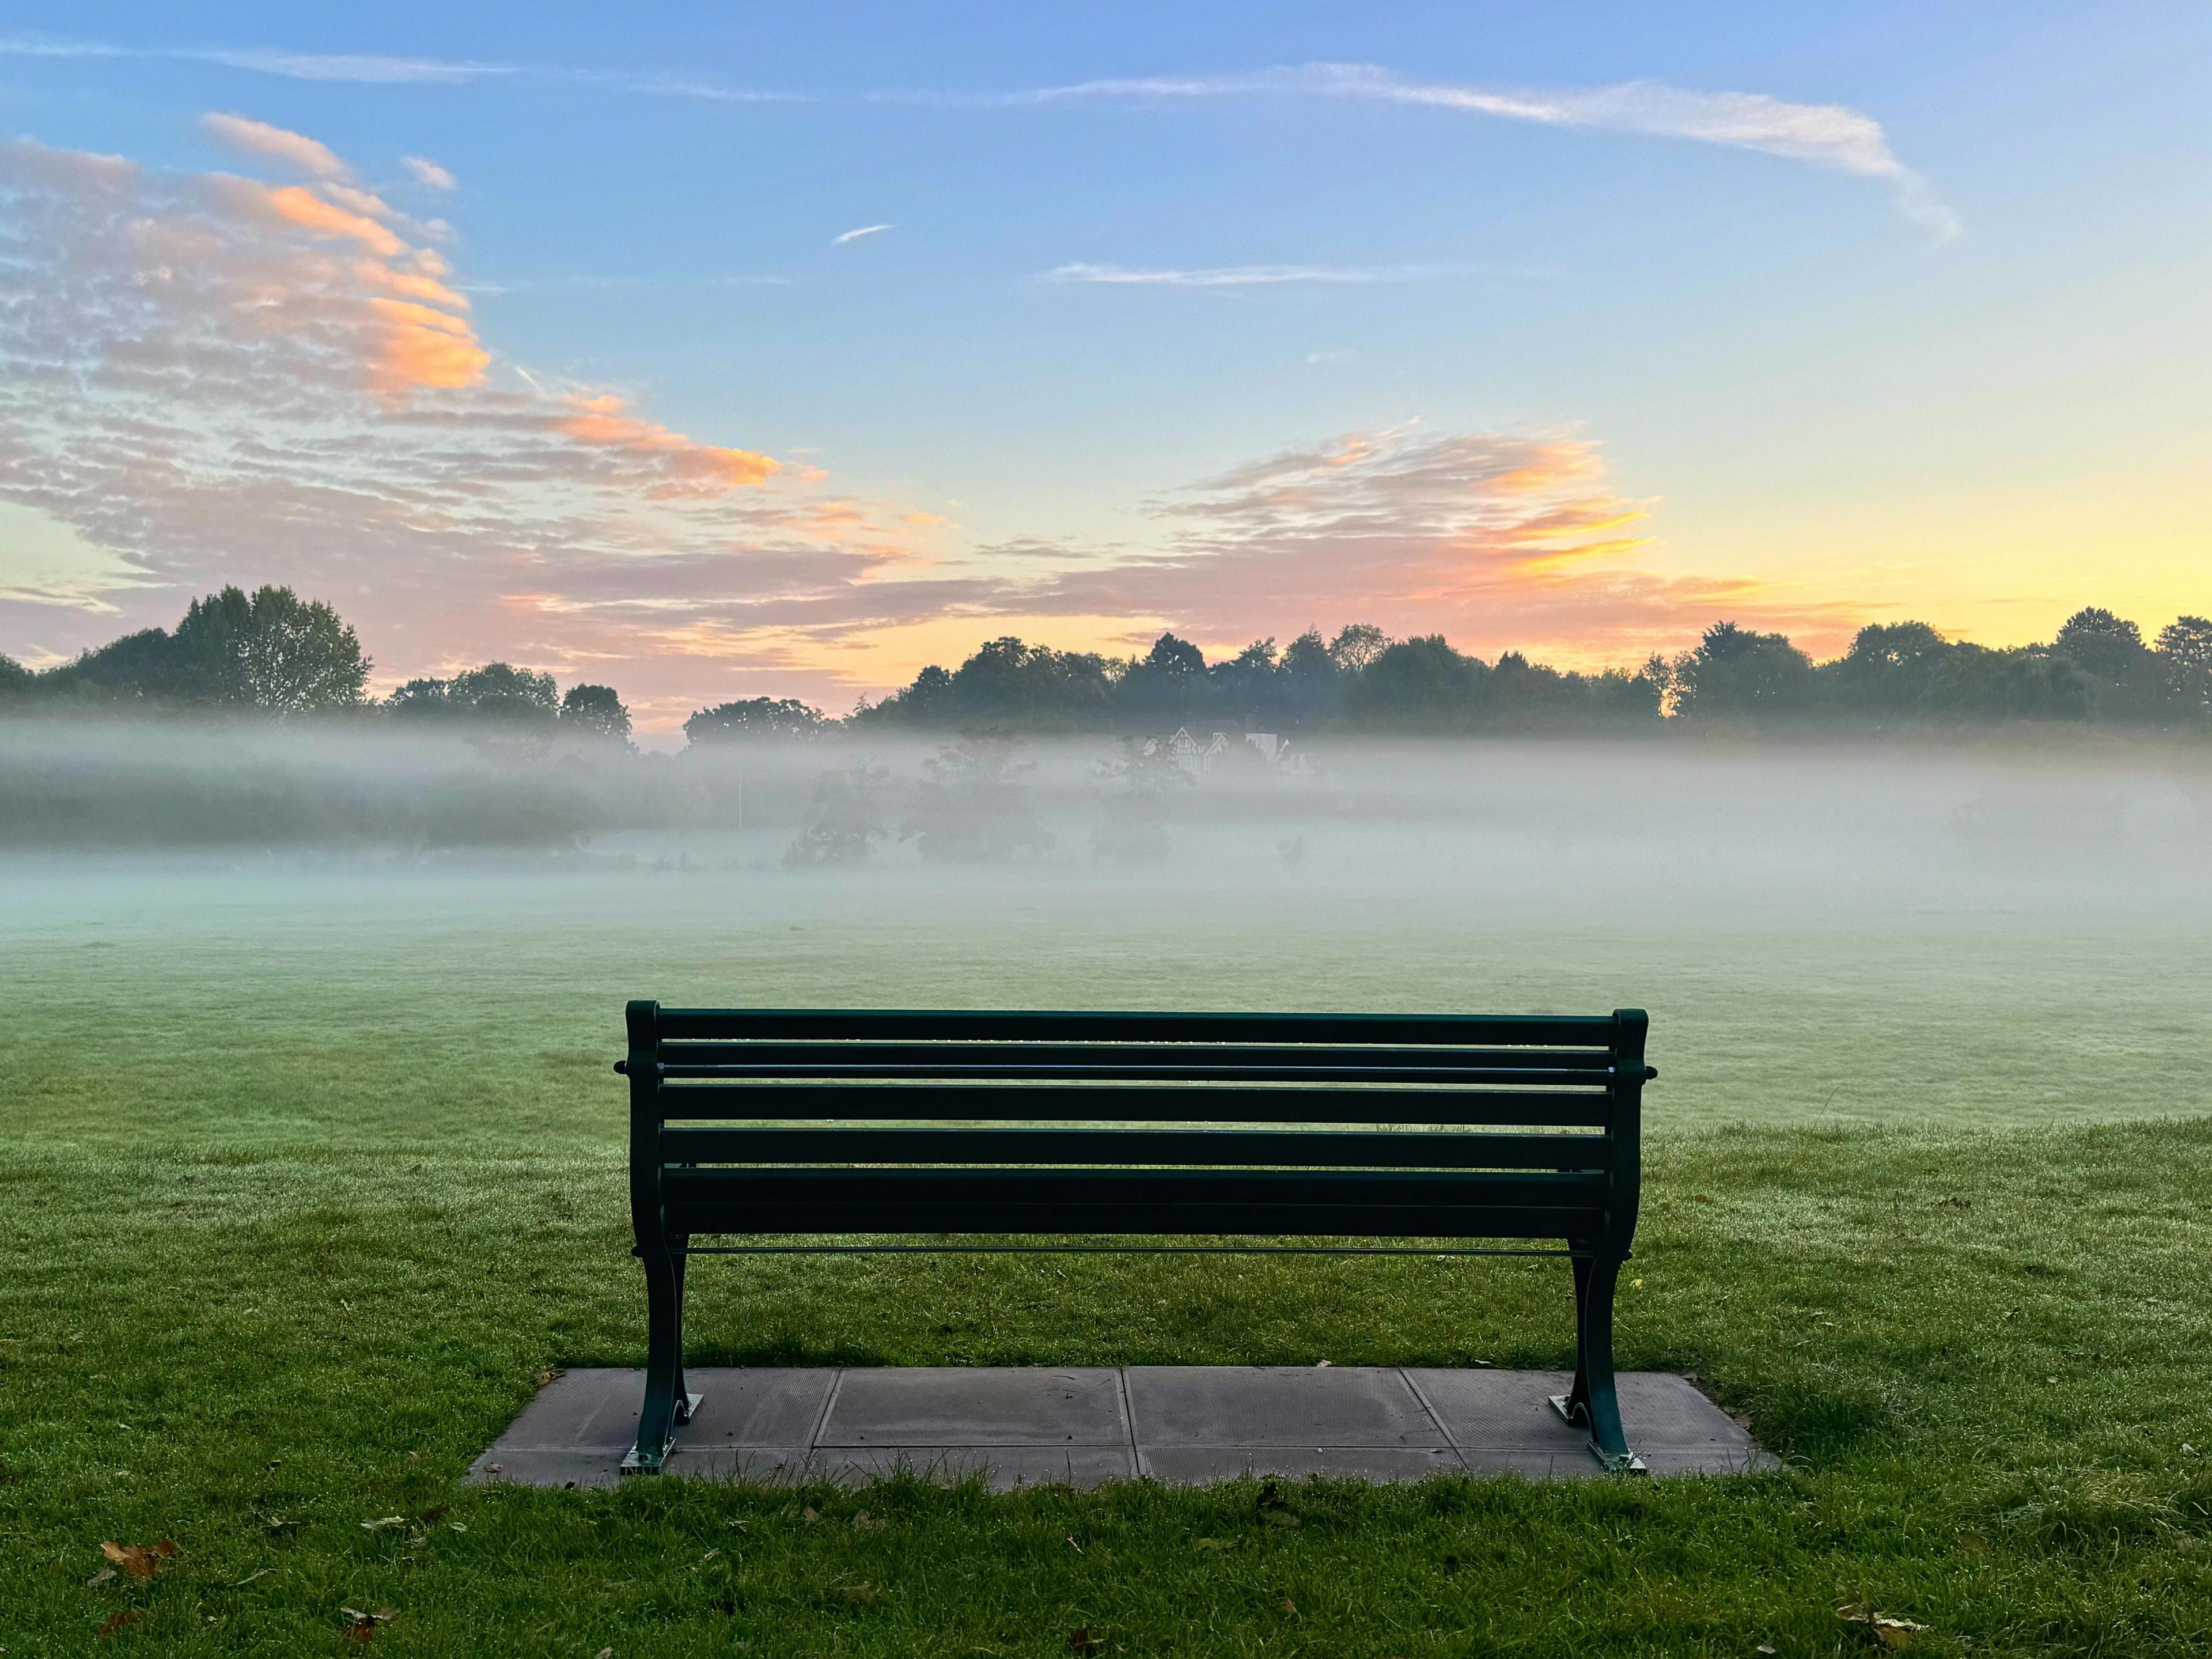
666 1404
1592 1403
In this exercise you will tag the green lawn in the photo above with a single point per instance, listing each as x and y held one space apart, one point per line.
306 1178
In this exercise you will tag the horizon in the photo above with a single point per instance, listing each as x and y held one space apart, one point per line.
782 359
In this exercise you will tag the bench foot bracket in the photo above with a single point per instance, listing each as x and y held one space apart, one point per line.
1623 1462
638 1461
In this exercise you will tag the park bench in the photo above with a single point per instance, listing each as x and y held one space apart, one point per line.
842 1126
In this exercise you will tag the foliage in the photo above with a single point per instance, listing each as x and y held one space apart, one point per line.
1134 825
753 718
498 694
844 819
972 806
270 652
595 711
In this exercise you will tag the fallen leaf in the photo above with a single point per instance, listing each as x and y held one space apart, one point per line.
383 1522
1890 1632
116 1620
546 1376
361 1626
1215 1544
1278 1517
1073 1545
139 1560
1764 1647
607 1653
808 1515
242 1583
863 1591
1080 1640
101 1576
865 1523
1288 1606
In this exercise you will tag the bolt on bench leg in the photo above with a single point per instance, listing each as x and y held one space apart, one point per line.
1592 1403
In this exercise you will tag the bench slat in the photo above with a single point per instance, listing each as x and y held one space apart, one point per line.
1026 1025
1062 1219
1356 1149
1166 1070
1109 1102
872 1059
729 1191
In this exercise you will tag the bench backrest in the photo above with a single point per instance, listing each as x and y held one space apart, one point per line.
807 1121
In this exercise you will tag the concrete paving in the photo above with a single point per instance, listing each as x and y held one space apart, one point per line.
1083 1425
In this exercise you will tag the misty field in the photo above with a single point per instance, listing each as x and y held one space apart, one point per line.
312 1166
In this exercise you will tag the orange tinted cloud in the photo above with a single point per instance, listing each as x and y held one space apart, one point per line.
425 347
691 466
298 205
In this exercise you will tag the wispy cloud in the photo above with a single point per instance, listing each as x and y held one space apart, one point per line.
1240 276
260 138
1830 136
428 174
855 235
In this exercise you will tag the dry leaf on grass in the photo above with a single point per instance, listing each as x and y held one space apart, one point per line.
1890 1631
115 1621
808 1515
139 1560
100 1577
361 1626
863 1591
1080 1640
383 1522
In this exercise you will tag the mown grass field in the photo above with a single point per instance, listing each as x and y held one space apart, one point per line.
305 1180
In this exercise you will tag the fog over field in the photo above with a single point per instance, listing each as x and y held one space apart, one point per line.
1986 931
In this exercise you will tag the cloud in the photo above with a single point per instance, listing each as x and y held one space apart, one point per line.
208 379
1498 540
855 235
1238 276
260 138
428 174
1830 136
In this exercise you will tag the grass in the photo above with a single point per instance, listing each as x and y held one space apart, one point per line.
301 1194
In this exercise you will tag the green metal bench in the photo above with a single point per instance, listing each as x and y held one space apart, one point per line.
775 1124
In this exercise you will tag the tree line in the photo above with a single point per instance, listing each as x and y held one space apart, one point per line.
274 653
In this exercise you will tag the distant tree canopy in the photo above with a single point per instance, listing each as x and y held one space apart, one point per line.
273 654
753 718
270 652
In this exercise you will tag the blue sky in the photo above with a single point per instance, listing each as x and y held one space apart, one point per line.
1966 380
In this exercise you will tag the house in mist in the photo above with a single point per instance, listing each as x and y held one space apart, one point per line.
1199 756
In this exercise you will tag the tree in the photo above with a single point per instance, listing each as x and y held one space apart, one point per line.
2105 646
14 679
1417 685
972 804
1737 671
2185 648
1355 645
1892 667
844 819
274 652
1168 683
752 719
594 711
497 695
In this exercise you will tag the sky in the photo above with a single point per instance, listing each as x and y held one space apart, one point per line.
750 350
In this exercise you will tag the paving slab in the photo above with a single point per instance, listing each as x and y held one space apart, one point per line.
1084 1425
964 1406
1331 1406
